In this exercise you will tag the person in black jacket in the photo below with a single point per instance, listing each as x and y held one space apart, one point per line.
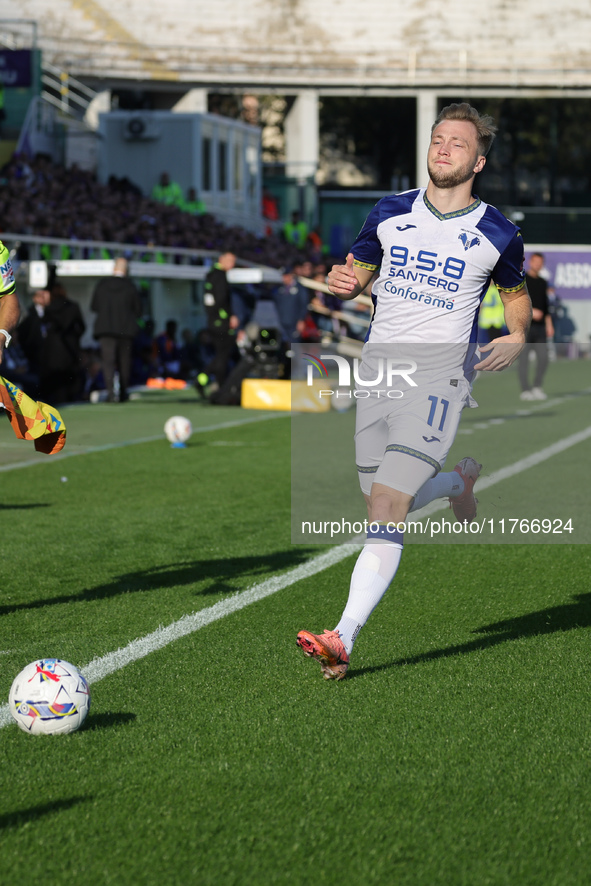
31 333
540 331
116 303
60 358
221 322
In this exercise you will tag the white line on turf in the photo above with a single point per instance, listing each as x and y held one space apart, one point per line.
86 450
101 667
188 624
522 413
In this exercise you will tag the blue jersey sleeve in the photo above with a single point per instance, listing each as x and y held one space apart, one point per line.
367 248
509 273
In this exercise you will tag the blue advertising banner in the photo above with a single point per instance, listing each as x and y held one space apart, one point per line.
15 67
568 271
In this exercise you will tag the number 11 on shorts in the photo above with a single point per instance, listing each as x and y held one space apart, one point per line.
435 401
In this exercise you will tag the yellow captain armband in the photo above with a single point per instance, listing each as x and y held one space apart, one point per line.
362 264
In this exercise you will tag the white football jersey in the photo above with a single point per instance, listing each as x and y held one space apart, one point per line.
435 269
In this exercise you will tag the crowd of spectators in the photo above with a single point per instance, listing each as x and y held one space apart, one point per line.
46 358
41 198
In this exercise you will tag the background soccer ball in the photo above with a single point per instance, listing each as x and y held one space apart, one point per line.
49 697
178 429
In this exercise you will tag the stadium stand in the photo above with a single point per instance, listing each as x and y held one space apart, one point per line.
290 48
42 198
274 43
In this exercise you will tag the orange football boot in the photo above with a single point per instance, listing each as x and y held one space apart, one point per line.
328 649
464 505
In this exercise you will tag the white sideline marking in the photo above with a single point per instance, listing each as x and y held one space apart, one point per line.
188 624
535 459
86 450
532 410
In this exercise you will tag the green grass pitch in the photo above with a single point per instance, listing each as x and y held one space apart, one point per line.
458 749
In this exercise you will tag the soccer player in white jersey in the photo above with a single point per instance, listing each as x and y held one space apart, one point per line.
432 253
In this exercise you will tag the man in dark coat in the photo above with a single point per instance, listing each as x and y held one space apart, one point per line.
116 303
60 354
221 322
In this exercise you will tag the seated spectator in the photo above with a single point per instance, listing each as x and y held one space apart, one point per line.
315 243
192 204
296 231
190 355
168 353
44 199
270 208
144 362
167 191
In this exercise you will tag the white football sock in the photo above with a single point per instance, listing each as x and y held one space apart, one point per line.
448 485
375 568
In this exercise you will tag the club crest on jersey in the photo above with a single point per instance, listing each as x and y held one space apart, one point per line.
468 240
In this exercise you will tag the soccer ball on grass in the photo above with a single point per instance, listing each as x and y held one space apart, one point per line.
178 430
49 697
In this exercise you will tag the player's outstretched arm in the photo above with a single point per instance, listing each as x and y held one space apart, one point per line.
347 281
503 351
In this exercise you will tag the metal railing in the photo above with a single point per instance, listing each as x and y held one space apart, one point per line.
156 261
66 93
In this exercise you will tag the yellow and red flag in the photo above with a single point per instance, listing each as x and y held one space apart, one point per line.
32 419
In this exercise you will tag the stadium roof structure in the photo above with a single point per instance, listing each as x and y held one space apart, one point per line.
326 44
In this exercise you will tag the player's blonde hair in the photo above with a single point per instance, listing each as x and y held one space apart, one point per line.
485 125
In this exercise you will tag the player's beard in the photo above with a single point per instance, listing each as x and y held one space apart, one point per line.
443 178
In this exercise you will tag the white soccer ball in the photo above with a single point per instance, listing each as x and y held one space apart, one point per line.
178 429
49 697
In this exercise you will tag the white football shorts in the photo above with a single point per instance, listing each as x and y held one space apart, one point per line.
402 443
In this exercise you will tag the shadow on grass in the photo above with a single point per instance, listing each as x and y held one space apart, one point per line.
212 576
24 507
24 816
108 720
566 617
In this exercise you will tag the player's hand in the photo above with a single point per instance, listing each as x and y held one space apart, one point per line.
342 279
501 352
